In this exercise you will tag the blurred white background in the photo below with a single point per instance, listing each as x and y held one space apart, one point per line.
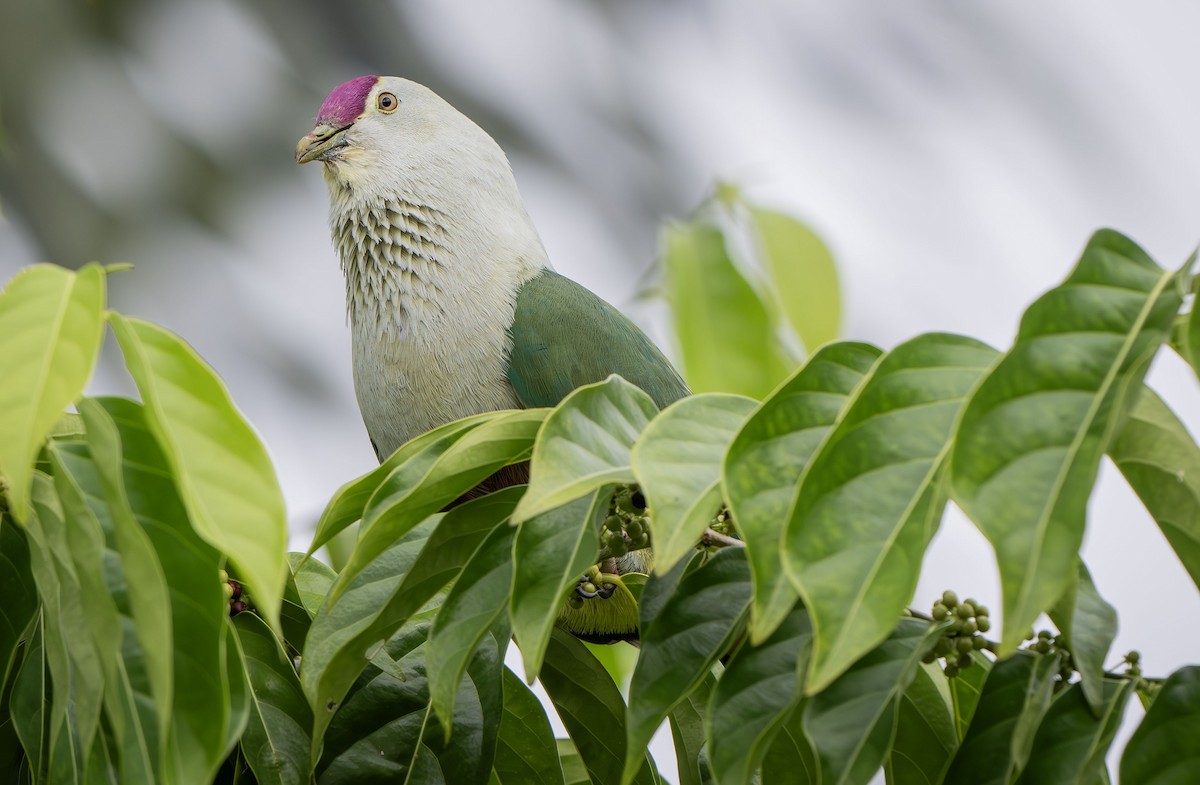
955 156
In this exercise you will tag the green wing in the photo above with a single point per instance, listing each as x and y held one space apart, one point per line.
564 336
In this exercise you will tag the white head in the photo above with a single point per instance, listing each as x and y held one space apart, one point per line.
383 140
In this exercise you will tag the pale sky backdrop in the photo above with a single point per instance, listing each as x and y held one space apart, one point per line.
954 155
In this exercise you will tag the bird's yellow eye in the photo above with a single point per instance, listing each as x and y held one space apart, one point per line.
387 102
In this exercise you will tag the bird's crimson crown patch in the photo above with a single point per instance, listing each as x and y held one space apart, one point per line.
346 102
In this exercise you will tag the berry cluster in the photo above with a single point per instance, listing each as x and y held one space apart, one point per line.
1046 642
967 619
627 527
234 594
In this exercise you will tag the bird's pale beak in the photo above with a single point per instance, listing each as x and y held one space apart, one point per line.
322 143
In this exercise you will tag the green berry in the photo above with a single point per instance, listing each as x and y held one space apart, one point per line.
969 627
965 611
613 523
589 587
965 646
943 647
929 657
981 610
965 660
951 670
979 643
956 625
635 529
1133 657
617 545
982 623
940 611
1042 647
1044 635
949 598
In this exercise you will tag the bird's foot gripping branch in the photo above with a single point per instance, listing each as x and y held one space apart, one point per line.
791 658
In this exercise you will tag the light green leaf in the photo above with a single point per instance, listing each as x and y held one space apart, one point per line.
1031 437
591 708
804 277
526 752
850 723
277 739
551 551
351 499
1073 738
1161 461
477 600
695 627
1163 749
871 497
677 461
1191 339
383 597
420 487
1010 709
1089 626
754 698
767 457
51 326
725 332
925 738
224 475
585 444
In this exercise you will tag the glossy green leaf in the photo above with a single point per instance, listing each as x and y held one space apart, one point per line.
349 501
696 626
277 740
677 461
754 698
1010 709
790 759
383 731
30 699
768 455
590 706
51 326
1089 626
725 332
1191 339
1163 749
1032 435
585 444
19 593
476 601
965 689
392 588
202 704
301 604
925 738
871 497
526 752
223 472
1161 461
850 723
419 487
1073 739
551 551
574 772
688 734
149 650
72 658
804 277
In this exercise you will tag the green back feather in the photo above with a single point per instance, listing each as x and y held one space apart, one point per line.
564 336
